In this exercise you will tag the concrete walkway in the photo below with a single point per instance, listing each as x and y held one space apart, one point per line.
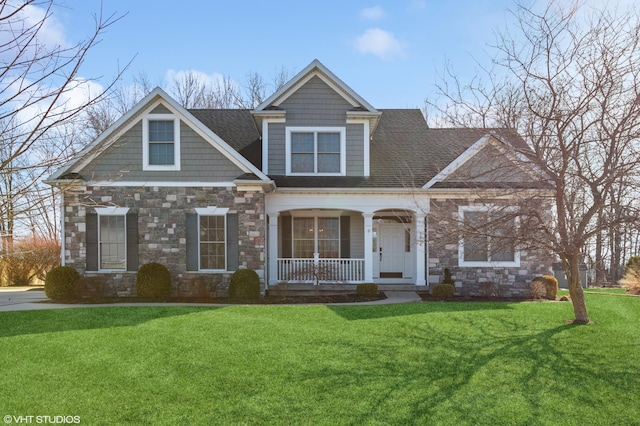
31 298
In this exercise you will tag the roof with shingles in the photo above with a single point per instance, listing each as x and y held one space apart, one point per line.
404 151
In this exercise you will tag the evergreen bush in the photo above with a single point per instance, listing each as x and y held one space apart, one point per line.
369 289
245 284
443 290
153 281
60 283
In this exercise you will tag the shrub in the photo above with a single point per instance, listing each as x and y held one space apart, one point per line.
245 284
552 286
443 290
538 288
631 279
369 289
153 280
60 283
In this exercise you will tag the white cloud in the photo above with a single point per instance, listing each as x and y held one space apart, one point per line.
210 80
372 13
380 43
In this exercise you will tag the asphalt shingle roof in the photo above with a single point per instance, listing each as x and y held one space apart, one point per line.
404 151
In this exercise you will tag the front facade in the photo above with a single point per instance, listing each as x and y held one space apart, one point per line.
313 186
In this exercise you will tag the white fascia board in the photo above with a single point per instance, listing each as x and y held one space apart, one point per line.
459 161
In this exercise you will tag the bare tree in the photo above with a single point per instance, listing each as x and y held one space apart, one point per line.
41 92
568 82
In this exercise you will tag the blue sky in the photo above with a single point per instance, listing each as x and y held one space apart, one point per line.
387 51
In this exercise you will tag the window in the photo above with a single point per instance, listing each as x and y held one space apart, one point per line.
212 242
161 142
316 235
112 238
486 241
212 238
318 151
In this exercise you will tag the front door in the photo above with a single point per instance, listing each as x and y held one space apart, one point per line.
391 250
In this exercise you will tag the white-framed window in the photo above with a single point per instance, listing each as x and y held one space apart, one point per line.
212 238
316 151
161 142
316 235
485 240
112 238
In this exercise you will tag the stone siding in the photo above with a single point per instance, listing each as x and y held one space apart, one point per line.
476 281
162 232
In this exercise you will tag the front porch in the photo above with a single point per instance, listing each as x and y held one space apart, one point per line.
337 246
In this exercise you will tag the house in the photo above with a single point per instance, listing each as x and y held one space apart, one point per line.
314 183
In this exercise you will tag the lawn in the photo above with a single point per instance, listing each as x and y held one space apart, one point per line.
427 363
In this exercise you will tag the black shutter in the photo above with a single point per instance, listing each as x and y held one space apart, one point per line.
91 240
286 236
132 241
345 237
192 242
232 242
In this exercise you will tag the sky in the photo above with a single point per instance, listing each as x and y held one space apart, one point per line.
389 52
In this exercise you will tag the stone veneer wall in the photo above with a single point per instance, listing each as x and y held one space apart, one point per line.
162 232
443 253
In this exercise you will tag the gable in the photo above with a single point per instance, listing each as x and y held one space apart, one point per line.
315 104
200 155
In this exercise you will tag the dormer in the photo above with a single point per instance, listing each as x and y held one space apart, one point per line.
316 125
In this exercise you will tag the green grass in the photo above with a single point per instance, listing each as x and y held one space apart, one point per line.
428 363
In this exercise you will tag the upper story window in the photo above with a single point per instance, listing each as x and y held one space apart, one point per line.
315 151
488 242
161 142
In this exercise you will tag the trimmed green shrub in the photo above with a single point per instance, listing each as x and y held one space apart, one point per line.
552 286
154 281
60 283
443 290
369 289
245 284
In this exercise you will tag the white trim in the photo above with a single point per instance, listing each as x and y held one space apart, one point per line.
146 166
213 211
315 130
161 184
458 162
489 263
106 212
112 211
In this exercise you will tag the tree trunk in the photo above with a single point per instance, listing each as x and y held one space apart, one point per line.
572 269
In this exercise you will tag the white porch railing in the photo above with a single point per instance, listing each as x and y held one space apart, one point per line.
321 270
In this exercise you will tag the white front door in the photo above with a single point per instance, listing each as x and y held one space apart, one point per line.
391 250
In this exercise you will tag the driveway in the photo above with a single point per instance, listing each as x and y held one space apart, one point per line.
21 298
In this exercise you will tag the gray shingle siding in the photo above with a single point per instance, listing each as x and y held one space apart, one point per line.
355 150
276 149
200 162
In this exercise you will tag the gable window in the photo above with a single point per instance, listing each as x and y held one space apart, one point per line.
316 235
315 151
112 238
161 142
486 241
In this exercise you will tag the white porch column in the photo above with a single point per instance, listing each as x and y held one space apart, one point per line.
420 249
368 247
272 253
